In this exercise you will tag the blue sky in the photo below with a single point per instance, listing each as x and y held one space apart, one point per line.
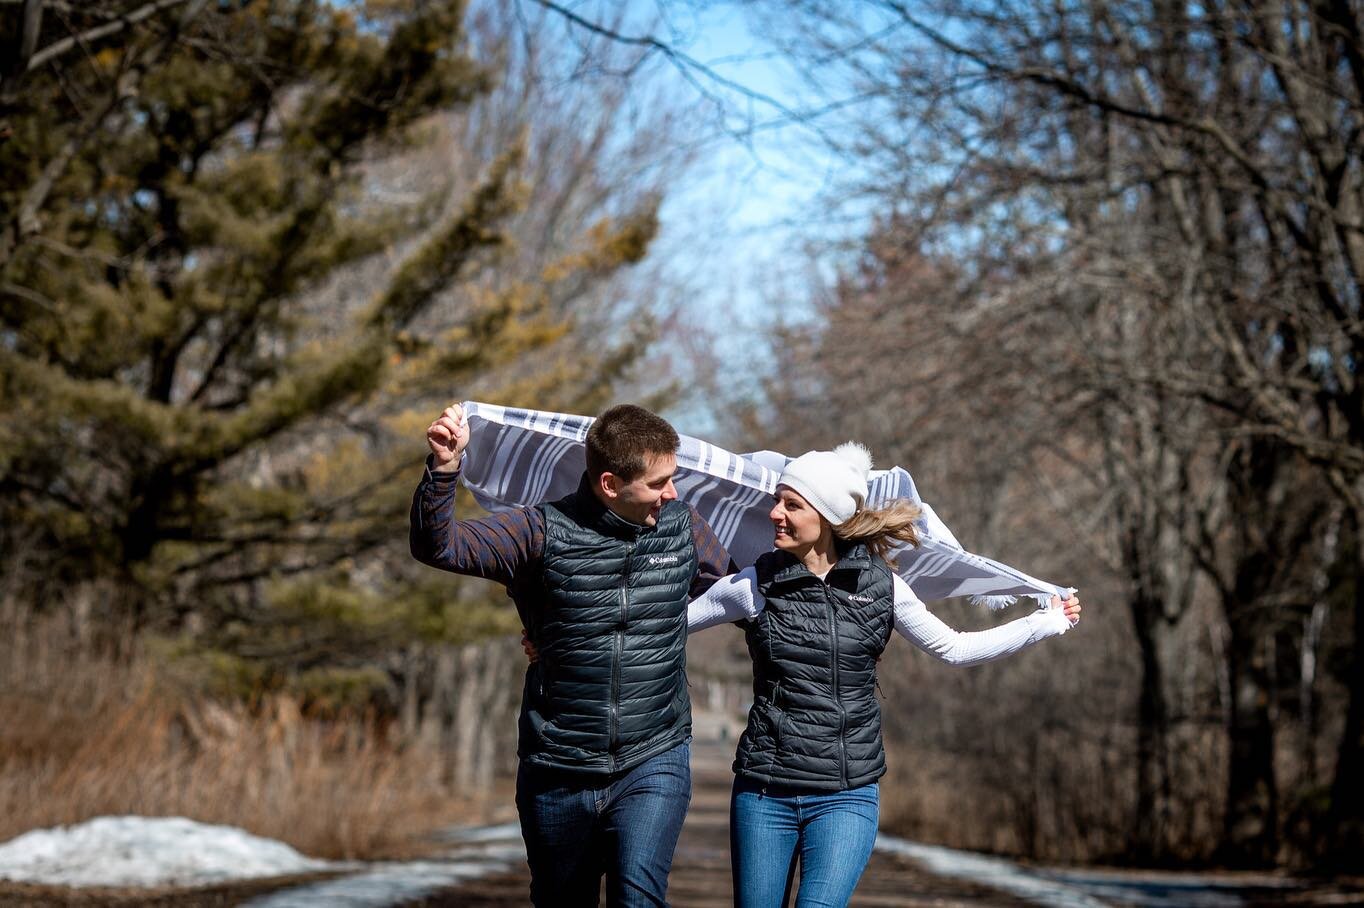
740 226
738 231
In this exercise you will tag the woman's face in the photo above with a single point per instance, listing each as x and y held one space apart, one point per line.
797 525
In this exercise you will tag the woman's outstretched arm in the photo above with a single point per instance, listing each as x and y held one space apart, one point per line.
929 633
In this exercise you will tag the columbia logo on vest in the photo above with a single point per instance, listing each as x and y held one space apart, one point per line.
664 559
856 598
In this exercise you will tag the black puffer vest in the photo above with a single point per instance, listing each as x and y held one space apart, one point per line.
815 722
610 688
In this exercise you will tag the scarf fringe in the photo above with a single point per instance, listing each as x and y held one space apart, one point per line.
995 603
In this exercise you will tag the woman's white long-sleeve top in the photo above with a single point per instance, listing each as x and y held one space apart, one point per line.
736 597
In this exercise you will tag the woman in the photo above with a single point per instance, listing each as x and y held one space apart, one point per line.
818 610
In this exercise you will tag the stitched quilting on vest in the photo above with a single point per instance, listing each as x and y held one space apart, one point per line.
815 721
610 687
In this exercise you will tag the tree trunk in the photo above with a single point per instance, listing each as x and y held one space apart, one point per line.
1150 836
1251 822
1346 821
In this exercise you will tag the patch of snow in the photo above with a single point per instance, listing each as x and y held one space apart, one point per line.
501 832
990 871
1156 889
375 888
139 852
1094 887
380 886
484 850
145 852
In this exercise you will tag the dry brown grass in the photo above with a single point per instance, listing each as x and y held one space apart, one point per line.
85 737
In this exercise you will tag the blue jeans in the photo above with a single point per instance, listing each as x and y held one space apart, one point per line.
831 833
578 827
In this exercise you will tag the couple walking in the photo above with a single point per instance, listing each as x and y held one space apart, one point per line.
608 582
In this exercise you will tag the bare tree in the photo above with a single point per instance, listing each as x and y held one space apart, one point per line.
1174 192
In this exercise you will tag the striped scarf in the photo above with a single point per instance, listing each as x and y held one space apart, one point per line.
518 458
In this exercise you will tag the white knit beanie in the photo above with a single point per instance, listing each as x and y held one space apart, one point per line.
834 482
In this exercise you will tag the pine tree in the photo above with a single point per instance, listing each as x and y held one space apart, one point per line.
204 408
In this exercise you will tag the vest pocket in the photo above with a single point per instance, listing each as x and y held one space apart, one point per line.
779 714
776 719
762 736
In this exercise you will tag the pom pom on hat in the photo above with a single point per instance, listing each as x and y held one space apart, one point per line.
834 482
857 455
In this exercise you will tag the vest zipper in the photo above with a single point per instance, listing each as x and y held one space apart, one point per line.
619 647
838 699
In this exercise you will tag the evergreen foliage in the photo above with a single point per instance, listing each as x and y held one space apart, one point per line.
208 404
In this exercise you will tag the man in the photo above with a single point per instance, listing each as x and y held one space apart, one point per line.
601 580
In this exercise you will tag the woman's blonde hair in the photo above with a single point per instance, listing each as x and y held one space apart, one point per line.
881 529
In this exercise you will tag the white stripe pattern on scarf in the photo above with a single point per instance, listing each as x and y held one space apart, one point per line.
518 458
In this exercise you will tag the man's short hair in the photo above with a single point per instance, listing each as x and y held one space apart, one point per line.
625 438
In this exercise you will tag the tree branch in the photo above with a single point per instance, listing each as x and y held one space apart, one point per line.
128 20
688 66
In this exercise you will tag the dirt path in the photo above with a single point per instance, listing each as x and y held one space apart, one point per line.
700 877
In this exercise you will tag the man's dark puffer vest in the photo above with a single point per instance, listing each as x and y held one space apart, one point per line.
815 722
610 688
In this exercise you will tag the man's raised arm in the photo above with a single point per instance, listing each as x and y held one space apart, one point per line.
495 547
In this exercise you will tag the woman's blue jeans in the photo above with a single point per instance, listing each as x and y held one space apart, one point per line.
578 827
830 833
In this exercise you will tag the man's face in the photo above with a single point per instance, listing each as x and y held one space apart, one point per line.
640 499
